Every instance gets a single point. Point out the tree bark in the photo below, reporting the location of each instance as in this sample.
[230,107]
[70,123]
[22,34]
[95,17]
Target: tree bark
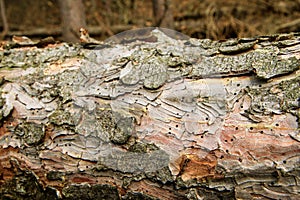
[152,118]
[73,18]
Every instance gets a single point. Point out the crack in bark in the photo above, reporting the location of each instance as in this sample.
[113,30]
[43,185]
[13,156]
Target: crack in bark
[222,109]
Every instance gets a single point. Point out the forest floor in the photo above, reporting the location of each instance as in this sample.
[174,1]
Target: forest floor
[214,19]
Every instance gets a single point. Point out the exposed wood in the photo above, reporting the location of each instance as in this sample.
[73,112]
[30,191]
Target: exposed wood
[152,117]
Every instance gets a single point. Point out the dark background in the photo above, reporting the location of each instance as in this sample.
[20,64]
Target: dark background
[214,19]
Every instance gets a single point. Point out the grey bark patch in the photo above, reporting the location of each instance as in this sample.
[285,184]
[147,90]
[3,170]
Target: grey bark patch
[134,162]
[271,66]
[155,74]
[31,133]
[60,117]
[275,99]
[130,75]
[236,47]
[90,192]
[124,129]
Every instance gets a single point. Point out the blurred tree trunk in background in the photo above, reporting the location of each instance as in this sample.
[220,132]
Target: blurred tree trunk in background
[163,14]
[73,18]
[4,19]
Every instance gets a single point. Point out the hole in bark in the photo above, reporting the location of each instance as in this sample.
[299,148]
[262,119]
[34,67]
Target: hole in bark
[201,136]
[222,157]
[176,125]
[236,128]
[261,132]
[251,128]
[238,85]
[192,147]
[259,85]
[242,106]
[272,183]
[206,118]
[237,101]
[234,93]
[276,124]
[225,140]
[240,160]
[169,132]
[284,162]
[170,128]
[231,140]
[227,151]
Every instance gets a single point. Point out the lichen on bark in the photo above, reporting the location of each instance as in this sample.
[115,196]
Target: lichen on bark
[162,118]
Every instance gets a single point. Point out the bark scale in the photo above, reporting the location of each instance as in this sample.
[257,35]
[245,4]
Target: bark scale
[155,117]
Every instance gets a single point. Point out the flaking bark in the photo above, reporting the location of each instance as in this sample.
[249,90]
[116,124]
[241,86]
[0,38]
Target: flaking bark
[155,117]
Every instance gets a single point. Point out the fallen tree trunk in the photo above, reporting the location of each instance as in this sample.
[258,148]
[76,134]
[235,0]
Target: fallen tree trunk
[151,117]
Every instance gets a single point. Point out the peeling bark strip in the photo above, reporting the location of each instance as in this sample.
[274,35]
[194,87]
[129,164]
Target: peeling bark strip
[156,117]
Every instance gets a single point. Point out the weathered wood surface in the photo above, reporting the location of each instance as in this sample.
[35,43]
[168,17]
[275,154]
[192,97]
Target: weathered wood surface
[153,117]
